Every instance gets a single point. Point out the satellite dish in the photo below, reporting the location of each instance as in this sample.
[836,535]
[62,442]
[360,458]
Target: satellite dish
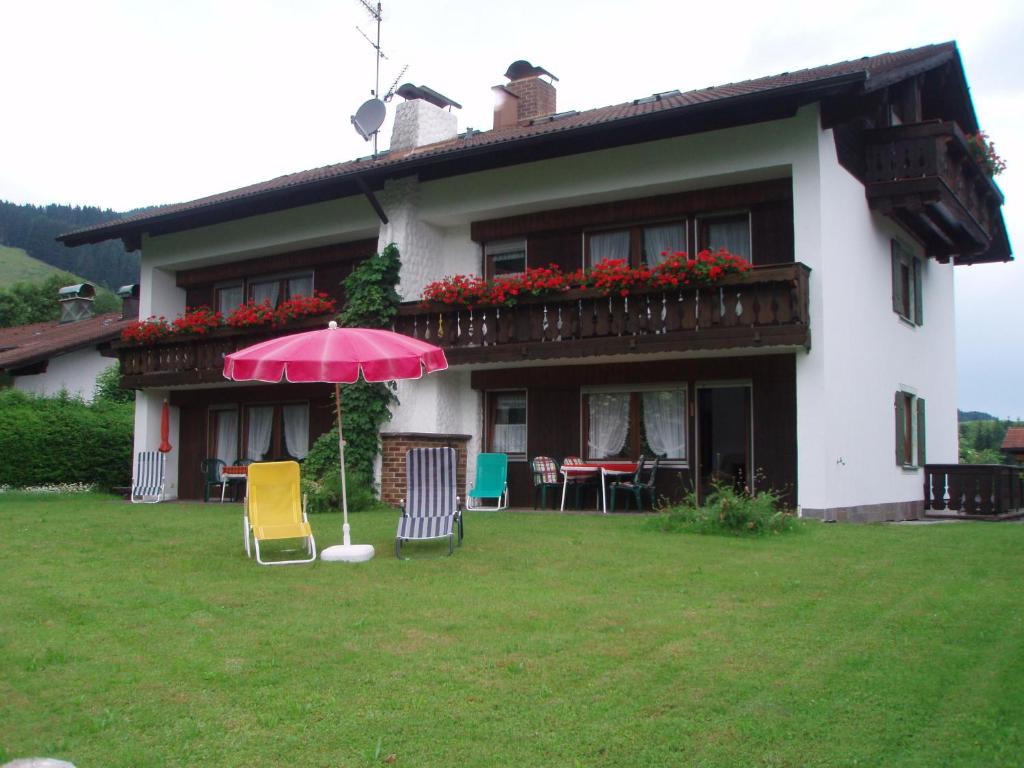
[369,118]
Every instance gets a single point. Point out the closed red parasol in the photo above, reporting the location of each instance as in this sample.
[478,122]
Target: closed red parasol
[165,428]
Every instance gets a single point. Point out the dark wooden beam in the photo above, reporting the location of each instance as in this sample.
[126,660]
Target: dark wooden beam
[368,193]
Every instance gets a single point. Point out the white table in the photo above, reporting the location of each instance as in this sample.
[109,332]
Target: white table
[579,470]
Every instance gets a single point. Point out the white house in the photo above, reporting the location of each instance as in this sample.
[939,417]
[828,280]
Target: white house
[850,187]
[63,355]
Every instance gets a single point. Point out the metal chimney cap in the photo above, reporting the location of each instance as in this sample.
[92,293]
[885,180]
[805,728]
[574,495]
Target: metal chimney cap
[129,291]
[517,70]
[79,291]
[410,92]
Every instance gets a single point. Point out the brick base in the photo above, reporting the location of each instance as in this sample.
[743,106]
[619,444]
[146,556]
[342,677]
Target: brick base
[394,446]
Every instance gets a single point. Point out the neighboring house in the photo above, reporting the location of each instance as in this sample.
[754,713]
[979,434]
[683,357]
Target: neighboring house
[1013,444]
[66,354]
[850,187]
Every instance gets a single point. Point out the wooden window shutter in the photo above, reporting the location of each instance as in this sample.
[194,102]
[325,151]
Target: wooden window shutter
[920,433]
[918,302]
[897,279]
[898,407]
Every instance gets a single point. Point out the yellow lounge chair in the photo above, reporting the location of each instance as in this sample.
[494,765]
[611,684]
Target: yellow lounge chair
[272,509]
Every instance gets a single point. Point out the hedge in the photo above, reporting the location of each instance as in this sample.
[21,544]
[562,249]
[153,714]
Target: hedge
[49,440]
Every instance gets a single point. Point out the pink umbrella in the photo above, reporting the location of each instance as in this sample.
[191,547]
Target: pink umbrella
[337,356]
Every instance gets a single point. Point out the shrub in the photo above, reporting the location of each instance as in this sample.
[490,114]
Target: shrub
[55,440]
[321,480]
[728,512]
[108,386]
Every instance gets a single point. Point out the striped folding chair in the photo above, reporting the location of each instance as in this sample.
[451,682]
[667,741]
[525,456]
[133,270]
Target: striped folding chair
[150,477]
[430,509]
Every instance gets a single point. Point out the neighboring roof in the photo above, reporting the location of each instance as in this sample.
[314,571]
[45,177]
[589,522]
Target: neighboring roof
[27,344]
[804,86]
[1014,440]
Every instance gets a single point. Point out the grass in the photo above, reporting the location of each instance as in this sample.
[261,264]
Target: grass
[138,636]
[16,266]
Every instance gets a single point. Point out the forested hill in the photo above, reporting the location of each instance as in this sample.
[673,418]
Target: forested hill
[35,228]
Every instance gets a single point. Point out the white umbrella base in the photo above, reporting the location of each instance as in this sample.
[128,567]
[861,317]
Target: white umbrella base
[347,553]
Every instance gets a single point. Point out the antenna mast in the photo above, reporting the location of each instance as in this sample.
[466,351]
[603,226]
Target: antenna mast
[375,14]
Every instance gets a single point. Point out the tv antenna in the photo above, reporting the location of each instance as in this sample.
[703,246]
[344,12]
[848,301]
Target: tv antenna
[370,116]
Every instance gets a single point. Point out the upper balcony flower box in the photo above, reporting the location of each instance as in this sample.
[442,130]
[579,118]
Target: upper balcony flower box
[765,307]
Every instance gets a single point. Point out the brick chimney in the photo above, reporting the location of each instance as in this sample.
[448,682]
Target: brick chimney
[76,302]
[526,96]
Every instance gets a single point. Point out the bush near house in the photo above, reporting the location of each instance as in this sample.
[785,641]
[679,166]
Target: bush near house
[61,439]
[730,512]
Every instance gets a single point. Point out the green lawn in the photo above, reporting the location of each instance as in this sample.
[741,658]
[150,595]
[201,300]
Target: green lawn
[140,636]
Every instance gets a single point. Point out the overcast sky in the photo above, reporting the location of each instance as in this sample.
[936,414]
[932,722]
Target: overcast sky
[133,103]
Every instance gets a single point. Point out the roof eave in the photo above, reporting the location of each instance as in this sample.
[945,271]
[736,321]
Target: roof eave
[346,184]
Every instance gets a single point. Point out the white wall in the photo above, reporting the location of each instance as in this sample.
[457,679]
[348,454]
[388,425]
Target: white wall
[75,372]
[863,352]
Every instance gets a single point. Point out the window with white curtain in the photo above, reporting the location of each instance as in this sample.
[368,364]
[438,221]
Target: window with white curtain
[731,232]
[261,432]
[229,297]
[641,244]
[279,288]
[507,423]
[625,423]
[608,245]
[296,429]
[225,434]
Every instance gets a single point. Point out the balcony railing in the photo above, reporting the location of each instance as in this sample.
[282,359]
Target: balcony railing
[990,491]
[762,308]
[195,359]
[924,176]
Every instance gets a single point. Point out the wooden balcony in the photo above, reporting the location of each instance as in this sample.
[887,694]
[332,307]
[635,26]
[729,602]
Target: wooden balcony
[197,359]
[977,491]
[766,307]
[924,177]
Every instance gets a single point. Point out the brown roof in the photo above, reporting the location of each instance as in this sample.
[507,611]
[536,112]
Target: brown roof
[868,73]
[27,344]
[1014,440]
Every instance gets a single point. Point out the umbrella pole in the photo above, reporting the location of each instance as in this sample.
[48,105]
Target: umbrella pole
[345,537]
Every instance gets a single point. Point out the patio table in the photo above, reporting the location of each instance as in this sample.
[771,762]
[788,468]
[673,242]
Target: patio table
[605,468]
[235,473]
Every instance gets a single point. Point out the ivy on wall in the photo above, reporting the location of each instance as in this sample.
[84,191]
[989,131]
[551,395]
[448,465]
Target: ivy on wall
[371,302]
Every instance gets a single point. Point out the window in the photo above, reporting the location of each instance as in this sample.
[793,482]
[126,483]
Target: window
[906,284]
[224,434]
[278,289]
[228,297]
[627,423]
[505,258]
[276,432]
[910,430]
[636,245]
[506,423]
[731,232]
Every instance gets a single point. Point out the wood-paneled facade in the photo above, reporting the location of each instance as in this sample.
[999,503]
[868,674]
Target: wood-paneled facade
[555,412]
[195,440]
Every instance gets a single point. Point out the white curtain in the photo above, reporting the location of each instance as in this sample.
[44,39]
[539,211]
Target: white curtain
[609,245]
[731,234]
[227,436]
[509,424]
[665,422]
[300,286]
[296,430]
[265,292]
[228,299]
[261,426]
[609,423]
[670,238]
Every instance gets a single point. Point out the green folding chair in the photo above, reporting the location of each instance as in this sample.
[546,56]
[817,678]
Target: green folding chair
[491,483]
